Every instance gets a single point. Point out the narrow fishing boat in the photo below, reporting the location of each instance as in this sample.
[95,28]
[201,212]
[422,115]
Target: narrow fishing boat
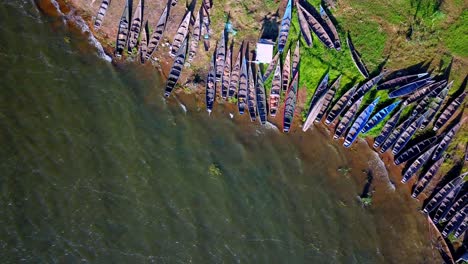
[408,133]
[359,124]
[176,69]
[329,23]
[226,74]
[328,98]
[420,107]
[271,66]
[462,228]
[426,179]
[205,27]
[417,164]
[284,28]
[251,96]
[379,116]
[261,98]
[305,31]
[400,81]
[181,33]
[296,59]
[195,36]
[135,27]
[290,104]
[415,150]
[157,34]
[446,203]
[387,129]
[122,34]
[443,145]
[101,13]
[286,71]
[449,111]
[390,141]
[243,86]
[410,88]
[275,91]
[357,58]
[235,73]
[318,29]
[210,84]
[455,222]
[442,193]
[339,106]
[366,87]
[428,90]
[143,43]
[221,57]
[347,119]
[316,103]
[434,106]
[459,204]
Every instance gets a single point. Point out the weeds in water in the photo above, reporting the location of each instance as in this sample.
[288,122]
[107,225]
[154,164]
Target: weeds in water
[213,170]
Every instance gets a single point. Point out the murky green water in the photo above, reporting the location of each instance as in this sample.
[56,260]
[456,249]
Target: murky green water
[96,167]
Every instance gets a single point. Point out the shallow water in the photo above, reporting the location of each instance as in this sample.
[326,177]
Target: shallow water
[98,167]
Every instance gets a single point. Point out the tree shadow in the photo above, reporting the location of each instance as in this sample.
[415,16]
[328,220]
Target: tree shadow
[413,69]
[270,26]
[366,189]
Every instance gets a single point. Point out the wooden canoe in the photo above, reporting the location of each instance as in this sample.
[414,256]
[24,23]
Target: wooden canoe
[387,129]
[357,58]
[430,90]
[395,134]
[305,30]
[261,98]
[455,222]
[449,111]
[339,106]
[404,138]
[181,33]
[135,27]
[435,106]
[226,74]
[101,13]
[243,86]
[427,177]
[286,71]
[296,59]
[347,119]
[284,28]
[445,204]
[235,73]
[415,150]
[122,34]
[195,36]
[417,164]
[366,87]
[290,104]
[157,34]
[459,203]
[328,98]
[333,33]
[143,43]
[400,81]
[318,29]
[205,27]
[359,124]
[316,103]
[275,91]
[443,145]
[271,67]
[410,88]
[379,116]
[210,84]
[176,69]
[442,193]
[220,57]
[251,96]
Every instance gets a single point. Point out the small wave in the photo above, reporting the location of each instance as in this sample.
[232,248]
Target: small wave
[184,108]
[379,169]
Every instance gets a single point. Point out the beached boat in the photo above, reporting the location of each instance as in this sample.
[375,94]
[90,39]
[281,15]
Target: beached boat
[420,107]
[316,27]
[333,33]
[195,36]
[456,221]
[461,228]
[415,150]
[305,31]
[101,13]
[435,106]
[417,164]
[456,206]
[400,81]
[235,73]
[359,124]
[357,57]
[261,98]
[445,204]
[387,129]
[410,88]
[442,193]
[296,59]
[135,27]
[379,116]
[220,57]
[430,90]
[243,86]
[443,145]
[275,91]
[143,48]
[290,103]
[408,133]
[205,26]
[466,153]
[286,71]
[366,87]
[347,119]
[449,111]
[339,106]
[181,33]
[427,177]
[157,34]
[226,74]
[251,96]
[284,28]
[316,102]
[271,67]
[122,33]
[210,84]
[390,141]
[176,69]
[328,98]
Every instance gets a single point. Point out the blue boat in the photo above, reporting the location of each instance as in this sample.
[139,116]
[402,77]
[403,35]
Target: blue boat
[387,129]
[359,124]
[284,29]
[408,133]
[409,88]
[379,116]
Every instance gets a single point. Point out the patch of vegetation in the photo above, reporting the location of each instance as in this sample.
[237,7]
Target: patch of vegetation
[456,36]
[213,170]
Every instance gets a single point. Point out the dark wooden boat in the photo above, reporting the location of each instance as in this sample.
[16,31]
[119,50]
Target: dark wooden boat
[317,28]
[143,42]
[284,28]
[455,222]
[357,58]
[290,103]
[347,119]
[366,87]
[220,57]
[275,91]
[408,133]
[176,69]
[235,73]
[415,150]
[417,164]
[387,129]
[101,13]
[122,33]
[466,153]
[420,107]
[210,85]
[359,124]
[135,27]
[379,116]
[181,33]
[261,98]
[456,206]
[449,111]
[410,88]
[243,86]
[443,145]
[434,106]
[157,34]
[329,23]
[316,103]
[305,31]
[251,96]
[445,204]
[442,193]
[390,141]
[195,36]
[426,179]
[205,27]
[271,67]
[328,98]
[428,90]
[226,74]
[462,228]
[286,71]
[296,59]
[339,106]
[400,81]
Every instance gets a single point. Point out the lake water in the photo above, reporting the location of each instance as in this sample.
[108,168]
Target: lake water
[96,167]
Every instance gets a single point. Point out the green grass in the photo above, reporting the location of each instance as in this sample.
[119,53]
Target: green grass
[456,36]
